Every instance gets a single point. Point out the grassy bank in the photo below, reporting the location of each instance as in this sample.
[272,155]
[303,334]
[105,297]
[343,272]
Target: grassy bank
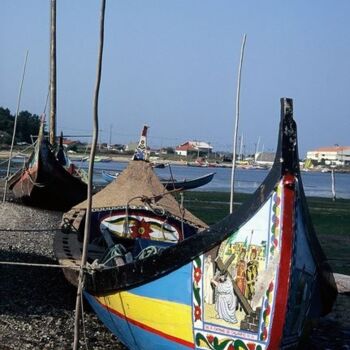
[330,219]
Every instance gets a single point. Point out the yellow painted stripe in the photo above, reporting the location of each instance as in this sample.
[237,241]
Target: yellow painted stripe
[165,317]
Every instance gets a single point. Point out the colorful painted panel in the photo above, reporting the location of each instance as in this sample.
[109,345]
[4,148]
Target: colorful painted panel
[155,315]
[234,285]
[140,226]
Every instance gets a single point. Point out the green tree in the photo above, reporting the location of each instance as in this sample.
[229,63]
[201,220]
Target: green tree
[6,120]
[27,124]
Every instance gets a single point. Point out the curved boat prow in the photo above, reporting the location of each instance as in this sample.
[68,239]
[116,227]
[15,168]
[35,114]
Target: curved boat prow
[250,281]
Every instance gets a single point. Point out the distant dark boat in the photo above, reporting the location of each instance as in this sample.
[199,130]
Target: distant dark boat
[187,184]
[47,180]
[158,165]
[251,281]
[171,184]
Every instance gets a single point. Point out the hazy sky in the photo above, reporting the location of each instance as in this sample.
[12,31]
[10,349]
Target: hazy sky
[173,65]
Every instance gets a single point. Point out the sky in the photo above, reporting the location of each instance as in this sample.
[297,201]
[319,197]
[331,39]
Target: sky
[174,64]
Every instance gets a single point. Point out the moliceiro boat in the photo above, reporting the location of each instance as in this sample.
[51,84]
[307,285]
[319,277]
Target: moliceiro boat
[159,279]
[48,180]
[171,184]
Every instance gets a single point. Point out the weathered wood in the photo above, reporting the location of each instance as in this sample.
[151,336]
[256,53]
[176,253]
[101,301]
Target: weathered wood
[342,282]
[90,178]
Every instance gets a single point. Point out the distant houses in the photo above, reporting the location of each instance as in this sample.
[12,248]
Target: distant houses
[198,147]
[335,156]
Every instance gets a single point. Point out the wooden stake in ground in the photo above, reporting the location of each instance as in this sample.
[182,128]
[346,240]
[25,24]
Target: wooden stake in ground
[90,178]
[333,185]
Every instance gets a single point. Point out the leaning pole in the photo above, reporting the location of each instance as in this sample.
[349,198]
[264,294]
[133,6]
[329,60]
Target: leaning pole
[236,122]
[15,126]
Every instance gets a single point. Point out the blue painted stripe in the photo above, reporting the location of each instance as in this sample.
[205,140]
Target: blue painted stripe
[175,287]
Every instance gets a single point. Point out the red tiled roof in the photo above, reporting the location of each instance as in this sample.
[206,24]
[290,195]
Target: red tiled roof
[184,148]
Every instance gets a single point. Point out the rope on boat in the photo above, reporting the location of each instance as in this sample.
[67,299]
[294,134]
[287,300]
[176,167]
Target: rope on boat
[37,184]
[39,265]
[29,231]
[19,153]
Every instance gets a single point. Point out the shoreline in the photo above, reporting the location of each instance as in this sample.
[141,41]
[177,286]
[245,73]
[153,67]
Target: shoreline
[126,159]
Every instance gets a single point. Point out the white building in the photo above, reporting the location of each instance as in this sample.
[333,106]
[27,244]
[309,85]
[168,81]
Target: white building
[336,155]
[193,146]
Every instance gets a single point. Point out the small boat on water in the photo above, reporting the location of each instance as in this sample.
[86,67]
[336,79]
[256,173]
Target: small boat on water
[101,159]
[159,279]
[170,184]
[48,180]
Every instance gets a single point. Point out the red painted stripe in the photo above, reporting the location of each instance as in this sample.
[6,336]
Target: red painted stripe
[148,328]
[284,272]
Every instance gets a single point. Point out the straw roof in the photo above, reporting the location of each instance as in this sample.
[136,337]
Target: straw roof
[138,180]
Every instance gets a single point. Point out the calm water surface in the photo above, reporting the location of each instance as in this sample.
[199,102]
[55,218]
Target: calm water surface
[315,183]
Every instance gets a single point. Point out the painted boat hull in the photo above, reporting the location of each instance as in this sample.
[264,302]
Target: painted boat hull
[173,185]
[48,184]
[185,319]
[251,281]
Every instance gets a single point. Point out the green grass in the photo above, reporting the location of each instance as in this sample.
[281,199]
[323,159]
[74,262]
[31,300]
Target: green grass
[330,219]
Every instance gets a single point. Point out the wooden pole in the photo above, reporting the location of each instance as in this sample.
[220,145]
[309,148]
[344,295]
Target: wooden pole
[236,122]
[334,196]
[90,178]
[53,97]
[240,148]
[15,126]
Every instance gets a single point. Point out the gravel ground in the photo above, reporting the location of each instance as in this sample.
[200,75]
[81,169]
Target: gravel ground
[37,303]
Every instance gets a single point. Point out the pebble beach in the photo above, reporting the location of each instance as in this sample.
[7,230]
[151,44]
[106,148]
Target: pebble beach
[37,303]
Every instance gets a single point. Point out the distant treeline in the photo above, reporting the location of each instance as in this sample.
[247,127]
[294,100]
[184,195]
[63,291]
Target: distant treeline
[27,124]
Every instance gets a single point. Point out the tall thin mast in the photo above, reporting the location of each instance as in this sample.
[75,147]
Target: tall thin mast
[236,122]
[53,98]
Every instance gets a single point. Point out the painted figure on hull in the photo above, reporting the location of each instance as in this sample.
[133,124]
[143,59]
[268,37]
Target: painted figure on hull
[251,274]
[225,299]
[209,274]
[241,272]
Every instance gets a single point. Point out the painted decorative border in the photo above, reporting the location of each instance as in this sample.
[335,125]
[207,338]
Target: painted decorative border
[274,241]
[214,342]
[205,339]
[196,287]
